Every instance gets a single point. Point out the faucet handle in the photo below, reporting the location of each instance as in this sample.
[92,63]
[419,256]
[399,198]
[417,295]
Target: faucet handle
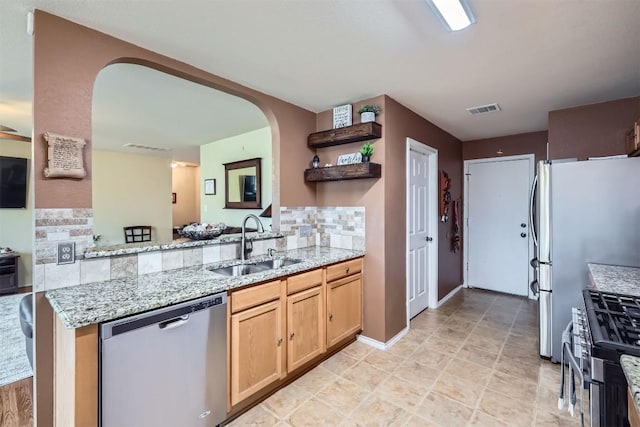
[271,252]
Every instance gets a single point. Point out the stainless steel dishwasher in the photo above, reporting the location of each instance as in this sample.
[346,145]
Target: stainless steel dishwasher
[166,367]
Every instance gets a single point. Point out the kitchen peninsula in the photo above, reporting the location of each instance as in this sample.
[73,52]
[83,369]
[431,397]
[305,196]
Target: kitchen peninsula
[329,280]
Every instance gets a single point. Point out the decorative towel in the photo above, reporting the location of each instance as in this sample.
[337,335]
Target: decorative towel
[455,238]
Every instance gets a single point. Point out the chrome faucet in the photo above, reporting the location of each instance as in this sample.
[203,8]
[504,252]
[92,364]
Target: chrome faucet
[245,249]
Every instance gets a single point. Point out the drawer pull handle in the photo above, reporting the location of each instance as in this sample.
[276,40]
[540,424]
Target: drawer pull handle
[330,317]
[279,342]
[291,335]
[347,269]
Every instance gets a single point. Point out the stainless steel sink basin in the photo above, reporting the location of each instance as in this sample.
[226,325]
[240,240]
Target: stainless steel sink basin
[244,269]
[270,264]
[237,270]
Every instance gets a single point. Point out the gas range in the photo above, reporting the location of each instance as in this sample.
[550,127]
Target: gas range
[609,327]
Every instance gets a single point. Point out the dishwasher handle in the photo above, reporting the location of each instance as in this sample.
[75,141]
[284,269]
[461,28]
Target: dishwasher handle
[176,322]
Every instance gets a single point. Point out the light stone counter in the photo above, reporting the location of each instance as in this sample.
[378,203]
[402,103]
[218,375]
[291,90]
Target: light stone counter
[92,303]
[615,279]
[631,367]
[136,248]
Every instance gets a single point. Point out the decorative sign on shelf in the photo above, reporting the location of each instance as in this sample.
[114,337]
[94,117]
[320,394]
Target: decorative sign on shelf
[342,116]
[64,157]
[348,159]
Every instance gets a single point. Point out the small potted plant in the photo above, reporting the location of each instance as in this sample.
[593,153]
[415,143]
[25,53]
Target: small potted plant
[368,113]
[367,152]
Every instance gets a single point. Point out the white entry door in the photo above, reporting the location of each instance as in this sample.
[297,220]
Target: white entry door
[418,232]
[497,232]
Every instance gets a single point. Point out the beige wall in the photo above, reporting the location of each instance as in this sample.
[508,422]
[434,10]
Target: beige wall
[130,189]
[592,130]
[67,60]
[248,145]
[511,145]
[16,225]
[186,184]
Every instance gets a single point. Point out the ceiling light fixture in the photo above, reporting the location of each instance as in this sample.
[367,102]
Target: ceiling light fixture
[454,14]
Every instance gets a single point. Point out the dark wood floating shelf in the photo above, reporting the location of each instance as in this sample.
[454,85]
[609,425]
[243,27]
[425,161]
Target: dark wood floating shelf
[344,172]
[345,135]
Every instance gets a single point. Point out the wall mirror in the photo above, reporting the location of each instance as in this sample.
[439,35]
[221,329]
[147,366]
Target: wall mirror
[243,184]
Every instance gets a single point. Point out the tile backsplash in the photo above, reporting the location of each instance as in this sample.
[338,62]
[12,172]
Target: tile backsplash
[337,227]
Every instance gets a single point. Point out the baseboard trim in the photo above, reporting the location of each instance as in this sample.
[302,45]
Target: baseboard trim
[449,295]
[383,345]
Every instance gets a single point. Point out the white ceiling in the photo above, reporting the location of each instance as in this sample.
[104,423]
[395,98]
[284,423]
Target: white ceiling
[530,56]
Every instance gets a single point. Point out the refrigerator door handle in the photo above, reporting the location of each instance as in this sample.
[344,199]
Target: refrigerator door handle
[531,207]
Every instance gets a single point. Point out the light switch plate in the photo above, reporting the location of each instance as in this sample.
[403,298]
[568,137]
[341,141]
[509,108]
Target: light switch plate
[66,253]
[305,230]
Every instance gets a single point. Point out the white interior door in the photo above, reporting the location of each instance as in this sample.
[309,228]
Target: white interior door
[418,232]
[497,232]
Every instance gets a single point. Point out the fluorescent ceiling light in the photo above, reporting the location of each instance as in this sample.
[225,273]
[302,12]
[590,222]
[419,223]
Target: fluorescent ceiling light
[454,14]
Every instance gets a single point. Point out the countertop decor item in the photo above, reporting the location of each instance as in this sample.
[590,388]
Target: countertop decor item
[316,162]
[368,113]
[366,151]
[202,231]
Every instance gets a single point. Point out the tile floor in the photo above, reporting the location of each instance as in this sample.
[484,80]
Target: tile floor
[472,362]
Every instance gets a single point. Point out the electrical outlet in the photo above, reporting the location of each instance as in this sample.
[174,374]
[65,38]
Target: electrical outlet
[305,230]
[66,253]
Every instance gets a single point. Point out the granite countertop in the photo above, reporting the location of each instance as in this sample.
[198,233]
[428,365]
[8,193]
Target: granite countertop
[134,248]
[631,367]
[614,278]
[83,305]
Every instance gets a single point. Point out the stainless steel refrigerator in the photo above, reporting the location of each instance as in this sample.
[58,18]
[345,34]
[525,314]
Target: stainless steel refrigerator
[586,211]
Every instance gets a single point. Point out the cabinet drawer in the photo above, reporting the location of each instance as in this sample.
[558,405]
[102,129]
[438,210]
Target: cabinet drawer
[303,281]
[343,269]
[251,297]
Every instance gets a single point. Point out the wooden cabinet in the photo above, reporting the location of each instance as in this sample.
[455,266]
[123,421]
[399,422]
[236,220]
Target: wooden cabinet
[281,326]
[305,327]
[344,301]
[9,273]
[257,336]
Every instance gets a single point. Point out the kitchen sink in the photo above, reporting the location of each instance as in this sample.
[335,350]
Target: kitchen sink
[244,269]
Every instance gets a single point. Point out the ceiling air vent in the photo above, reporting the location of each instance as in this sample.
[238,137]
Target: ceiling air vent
[489,108]
[146,147]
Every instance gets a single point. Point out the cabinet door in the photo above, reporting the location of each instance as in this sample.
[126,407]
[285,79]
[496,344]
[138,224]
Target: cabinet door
[305,327]
[344,308]
[256,349]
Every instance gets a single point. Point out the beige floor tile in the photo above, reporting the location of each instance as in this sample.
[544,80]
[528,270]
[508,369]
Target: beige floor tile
[474,354]
[469,371]
[460,324]
[442,345]
[357,350]
[315,413]
[480,419]
[383,360]
[404,348]
[487,332]
[417,336]
[459,389]
[511,386]
[443,411]
[518,353]
[528,343]
[338,363]
[416,421]
[549,376]
[551,419]
[469,316]
[547,401]
[431,358]
[365,375]
[506,409]
[517,368]
[283,424]
[417,373]
[315,379]
[378,412]
[285,400]
[401,392]
[343,395]
[447,332]
[490,345]
[256,416]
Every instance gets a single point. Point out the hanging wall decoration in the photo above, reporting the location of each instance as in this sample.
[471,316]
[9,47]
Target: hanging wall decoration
[64,155]
[445,196]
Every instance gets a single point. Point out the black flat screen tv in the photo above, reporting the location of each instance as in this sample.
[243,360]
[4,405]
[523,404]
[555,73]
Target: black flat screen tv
[13,182]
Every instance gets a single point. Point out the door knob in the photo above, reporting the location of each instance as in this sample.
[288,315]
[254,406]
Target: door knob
[523,235]
[523,225]
[429,239]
